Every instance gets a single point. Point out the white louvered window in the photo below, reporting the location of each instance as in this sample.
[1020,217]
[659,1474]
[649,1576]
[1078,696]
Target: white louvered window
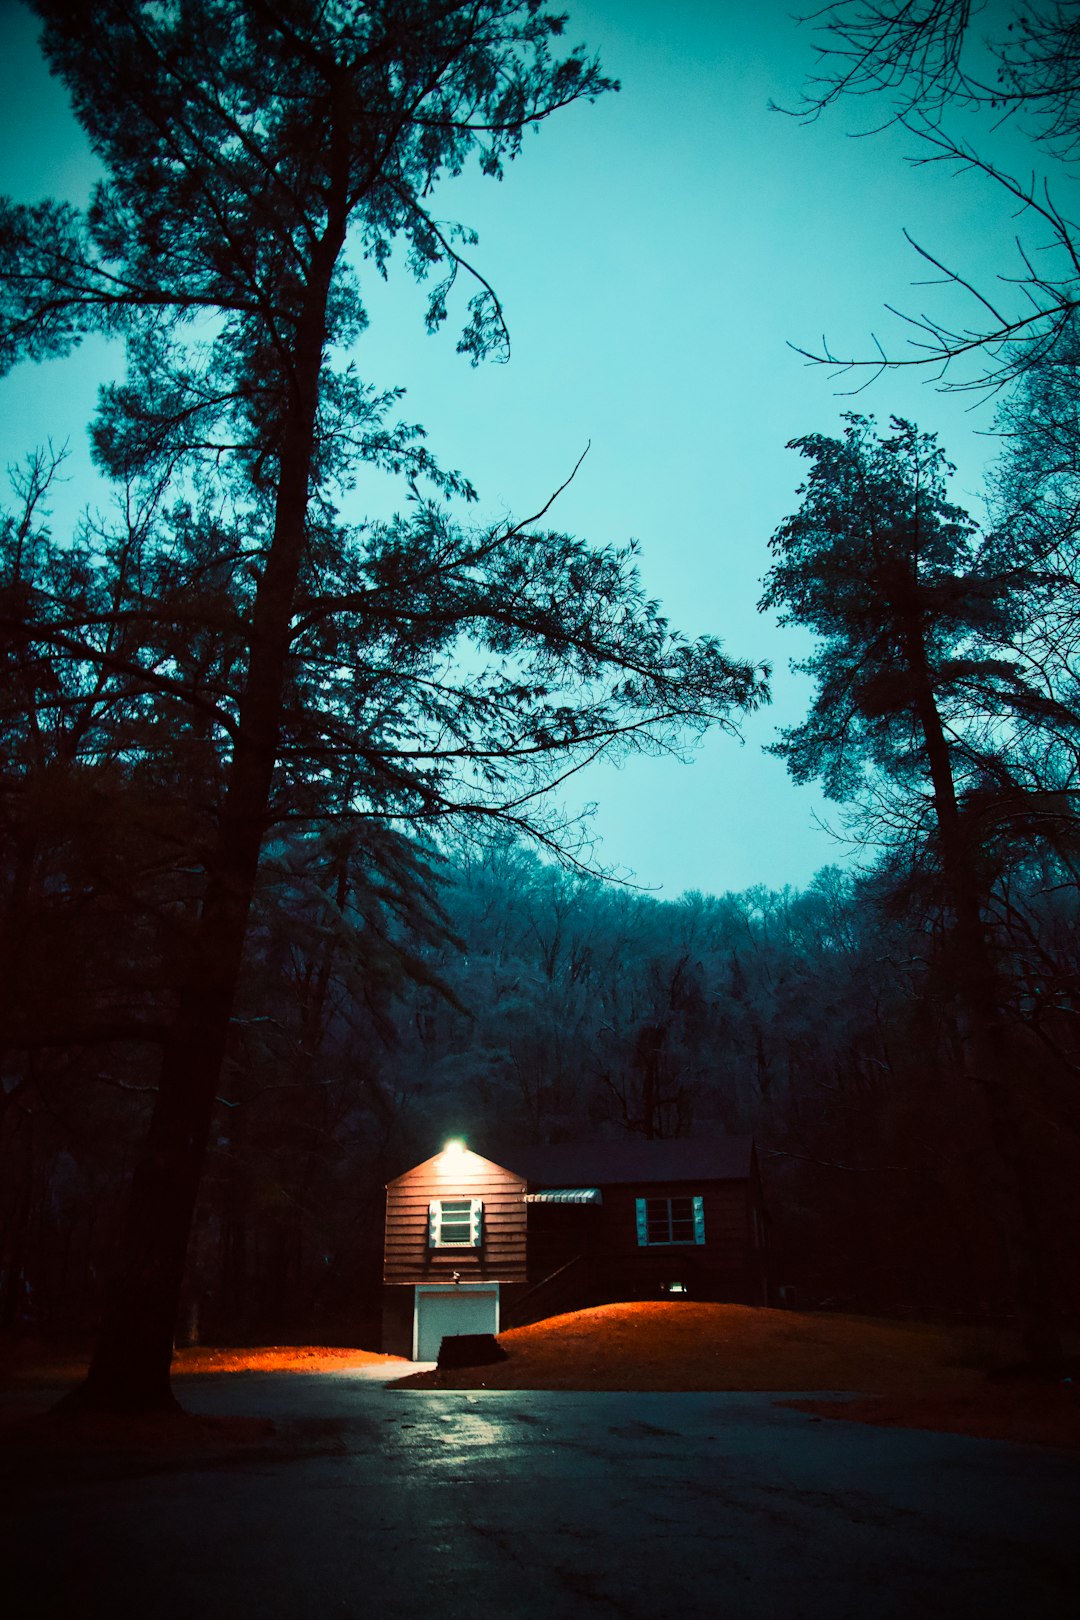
[670,1220]
[455,1223]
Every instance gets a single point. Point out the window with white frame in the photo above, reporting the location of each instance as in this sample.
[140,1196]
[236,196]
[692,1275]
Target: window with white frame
[670,1221]
[455,1223]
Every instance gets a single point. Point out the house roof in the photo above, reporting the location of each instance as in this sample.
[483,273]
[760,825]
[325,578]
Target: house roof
[636,1160]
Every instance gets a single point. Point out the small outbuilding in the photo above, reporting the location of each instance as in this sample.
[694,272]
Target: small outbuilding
[473,1246]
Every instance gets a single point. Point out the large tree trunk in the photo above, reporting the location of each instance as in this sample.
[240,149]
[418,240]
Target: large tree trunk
[131,1362]
[986,1042]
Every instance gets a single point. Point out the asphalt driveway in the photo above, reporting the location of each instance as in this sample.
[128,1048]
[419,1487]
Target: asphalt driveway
[410,1504]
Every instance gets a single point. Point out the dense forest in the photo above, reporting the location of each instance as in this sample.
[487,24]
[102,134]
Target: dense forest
[558,1007]
[286,894]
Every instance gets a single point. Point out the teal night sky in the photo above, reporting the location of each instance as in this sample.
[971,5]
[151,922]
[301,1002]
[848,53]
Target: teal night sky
[655,254]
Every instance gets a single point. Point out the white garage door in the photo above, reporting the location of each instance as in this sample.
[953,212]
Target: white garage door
[453,1310]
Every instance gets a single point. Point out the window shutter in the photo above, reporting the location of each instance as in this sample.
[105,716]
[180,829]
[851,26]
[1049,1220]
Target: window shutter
[699,1220]
[642,1223]
[434,1211]
[476,1221]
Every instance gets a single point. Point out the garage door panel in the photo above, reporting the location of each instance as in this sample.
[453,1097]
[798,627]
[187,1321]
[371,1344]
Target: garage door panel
[438,1315]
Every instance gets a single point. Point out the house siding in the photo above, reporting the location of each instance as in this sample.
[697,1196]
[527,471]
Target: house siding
[725,1221]
[715,1269]
[548,1258]
[501,1255]
[605,1262]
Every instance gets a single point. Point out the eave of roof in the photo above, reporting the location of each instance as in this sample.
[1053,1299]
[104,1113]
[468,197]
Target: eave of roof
[635,1161]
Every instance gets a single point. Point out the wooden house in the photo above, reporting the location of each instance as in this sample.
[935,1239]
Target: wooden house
[455,1237]
[473,1246]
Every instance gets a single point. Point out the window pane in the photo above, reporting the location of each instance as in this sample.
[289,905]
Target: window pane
[682,1220]
[670,1220]
[656,1219]
[455,1221]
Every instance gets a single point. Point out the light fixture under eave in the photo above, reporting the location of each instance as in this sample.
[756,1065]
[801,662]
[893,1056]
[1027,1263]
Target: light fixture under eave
[454,1153]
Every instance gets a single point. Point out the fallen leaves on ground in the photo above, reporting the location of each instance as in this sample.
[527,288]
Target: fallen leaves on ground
[683,1345]
[904,1374]
[276,1358]
[29,1362]
[1032,1415]
[917,1375]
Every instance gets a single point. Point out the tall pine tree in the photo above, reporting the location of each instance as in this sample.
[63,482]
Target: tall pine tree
[886,572]
[255,152]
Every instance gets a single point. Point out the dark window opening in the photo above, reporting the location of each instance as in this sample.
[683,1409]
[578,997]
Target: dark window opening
[670,1220]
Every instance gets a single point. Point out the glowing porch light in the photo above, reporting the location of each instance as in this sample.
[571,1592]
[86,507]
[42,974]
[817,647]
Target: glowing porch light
[454,1154]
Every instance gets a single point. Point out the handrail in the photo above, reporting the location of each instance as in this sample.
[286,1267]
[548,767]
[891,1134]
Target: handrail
[519,1304]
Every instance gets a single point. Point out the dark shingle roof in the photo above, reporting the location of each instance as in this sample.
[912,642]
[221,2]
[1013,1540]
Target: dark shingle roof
[637,1160]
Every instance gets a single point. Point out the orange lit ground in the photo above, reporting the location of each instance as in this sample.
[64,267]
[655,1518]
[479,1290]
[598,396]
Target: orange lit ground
[906,1374]
[916,1375]
[28,1362]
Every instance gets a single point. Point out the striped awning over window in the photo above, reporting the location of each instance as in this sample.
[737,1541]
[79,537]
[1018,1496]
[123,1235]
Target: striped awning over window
[566,1195]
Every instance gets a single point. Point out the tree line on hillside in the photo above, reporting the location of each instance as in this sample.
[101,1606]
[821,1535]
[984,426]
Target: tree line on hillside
[558,1007]
[274,777]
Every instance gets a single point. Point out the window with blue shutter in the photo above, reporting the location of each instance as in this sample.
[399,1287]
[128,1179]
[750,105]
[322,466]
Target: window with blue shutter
[455,1223]
[670,1220]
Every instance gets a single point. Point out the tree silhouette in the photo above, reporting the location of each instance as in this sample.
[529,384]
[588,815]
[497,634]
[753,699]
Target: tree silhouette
[927,67]
[885,571]
[254,152]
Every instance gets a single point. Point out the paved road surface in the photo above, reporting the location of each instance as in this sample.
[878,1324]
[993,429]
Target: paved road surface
[405,1505]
